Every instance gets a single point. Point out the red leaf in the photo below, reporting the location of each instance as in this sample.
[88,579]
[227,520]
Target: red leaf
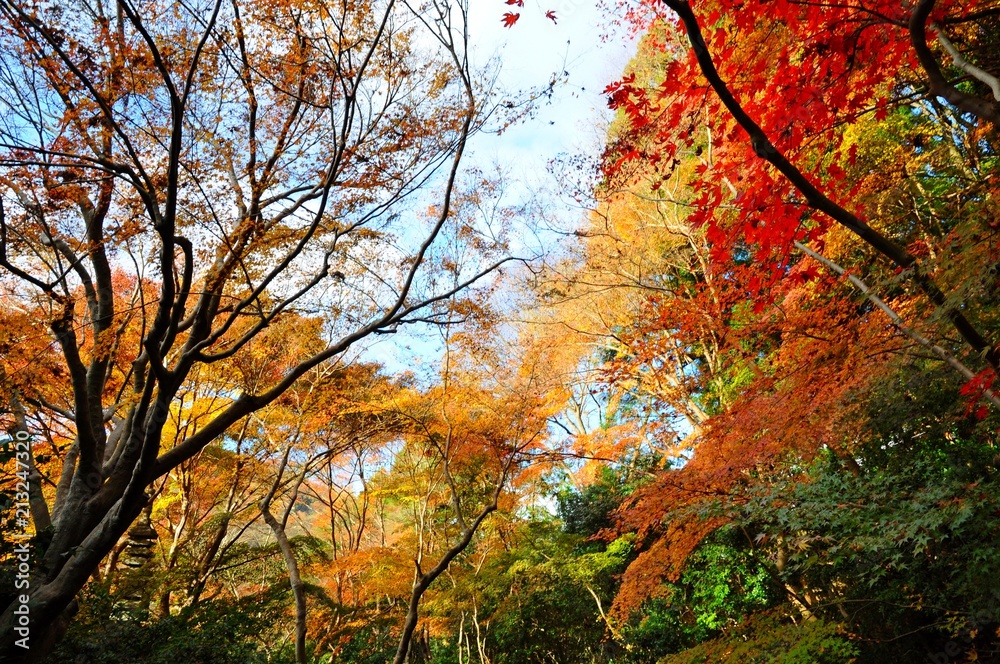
[519,3]
[551,15]
[509,19]
[979,383]
[882,111]
[852,155]
[975,389]
[835,171]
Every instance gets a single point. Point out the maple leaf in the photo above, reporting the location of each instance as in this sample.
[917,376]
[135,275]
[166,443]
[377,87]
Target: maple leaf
[551,15]
[519,3]
[509,19]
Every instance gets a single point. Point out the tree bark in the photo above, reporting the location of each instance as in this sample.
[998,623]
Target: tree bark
[288,553]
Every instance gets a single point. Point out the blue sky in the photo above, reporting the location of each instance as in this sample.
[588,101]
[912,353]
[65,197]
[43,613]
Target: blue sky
[573,120]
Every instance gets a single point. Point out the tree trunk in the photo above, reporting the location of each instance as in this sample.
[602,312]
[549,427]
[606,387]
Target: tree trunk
[424,580]
[295,580]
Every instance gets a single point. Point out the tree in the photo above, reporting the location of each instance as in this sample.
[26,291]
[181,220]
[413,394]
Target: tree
[808,323]
[318,422]
[241,163]
[810,356]
[840,84]
[470,441]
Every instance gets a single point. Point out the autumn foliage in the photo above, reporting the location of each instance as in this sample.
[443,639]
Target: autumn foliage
[291,400]
[809,110]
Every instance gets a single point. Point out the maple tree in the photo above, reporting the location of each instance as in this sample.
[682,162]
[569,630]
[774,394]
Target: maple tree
[241,164]
[776,292]
[745,411]
[797,350]
[474,438]
[840,84]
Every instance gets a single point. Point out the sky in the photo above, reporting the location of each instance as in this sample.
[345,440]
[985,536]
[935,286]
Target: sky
[573,120]
[575,117]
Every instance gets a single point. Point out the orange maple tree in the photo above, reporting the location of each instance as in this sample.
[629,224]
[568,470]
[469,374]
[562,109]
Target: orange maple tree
[242,164]
[803,82]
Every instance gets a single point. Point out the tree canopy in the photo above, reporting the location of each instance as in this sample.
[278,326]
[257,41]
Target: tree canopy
[742,409]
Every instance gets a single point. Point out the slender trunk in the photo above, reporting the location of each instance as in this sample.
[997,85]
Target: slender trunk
[294,578]
[480,643]
[424,580]
[298,588]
